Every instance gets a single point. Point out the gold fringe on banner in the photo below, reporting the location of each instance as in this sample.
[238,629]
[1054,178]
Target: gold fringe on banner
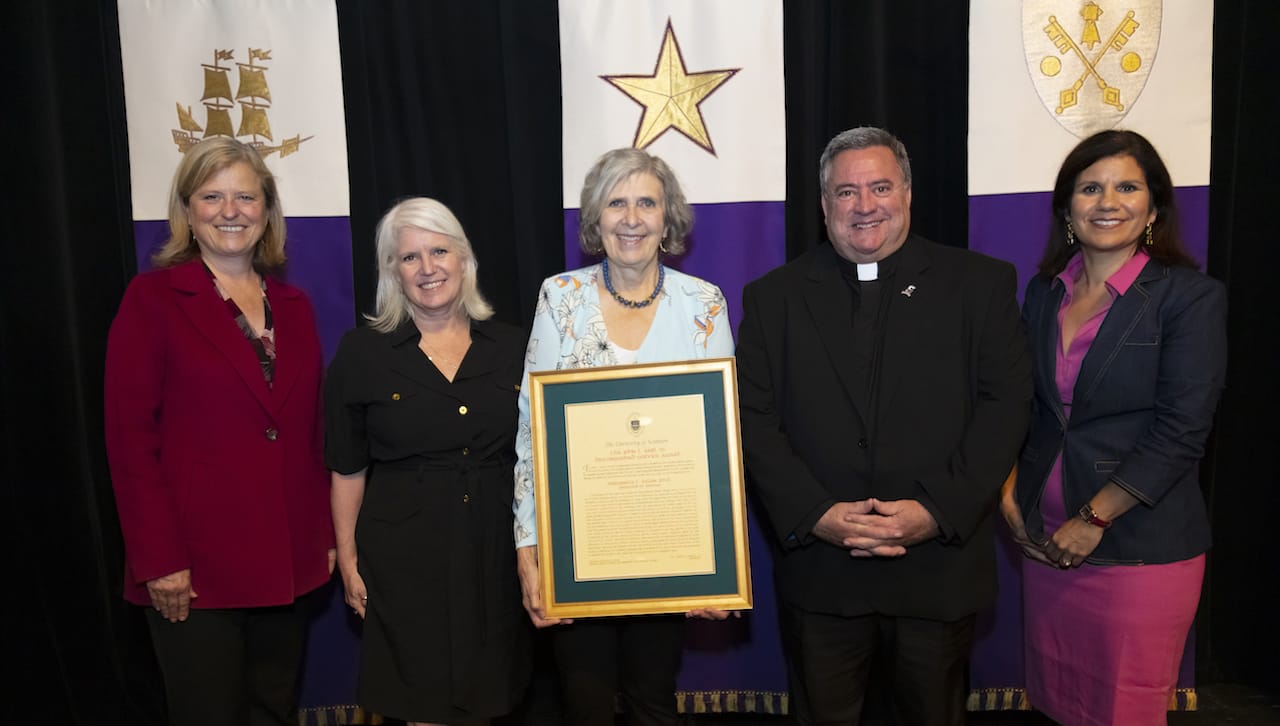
[1184,699]
[997,699]
[732,702]
[350,715]
[1015,699]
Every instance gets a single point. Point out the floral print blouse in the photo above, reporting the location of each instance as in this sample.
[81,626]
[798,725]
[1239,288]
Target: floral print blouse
[691,322]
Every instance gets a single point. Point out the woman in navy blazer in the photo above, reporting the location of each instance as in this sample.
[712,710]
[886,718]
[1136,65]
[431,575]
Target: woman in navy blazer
[1129,348]
[214,438]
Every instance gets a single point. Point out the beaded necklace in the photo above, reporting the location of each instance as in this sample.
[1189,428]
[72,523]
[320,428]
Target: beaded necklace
[608,285]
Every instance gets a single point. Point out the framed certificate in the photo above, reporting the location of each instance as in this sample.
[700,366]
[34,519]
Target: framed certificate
[639,492]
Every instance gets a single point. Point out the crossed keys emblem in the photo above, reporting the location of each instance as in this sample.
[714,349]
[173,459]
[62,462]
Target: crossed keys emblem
[1062,40]
[1116,59]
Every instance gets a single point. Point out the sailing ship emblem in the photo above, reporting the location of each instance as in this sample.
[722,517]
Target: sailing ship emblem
[253,97]
[1090,60]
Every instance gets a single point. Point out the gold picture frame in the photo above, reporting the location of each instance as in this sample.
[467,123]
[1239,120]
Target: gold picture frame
[638,484]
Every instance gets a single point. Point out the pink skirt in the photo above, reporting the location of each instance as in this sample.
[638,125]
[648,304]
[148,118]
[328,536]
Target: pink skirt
[1103,644]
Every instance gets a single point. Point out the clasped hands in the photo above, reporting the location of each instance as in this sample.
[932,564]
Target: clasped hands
[1068,547]
[876,528]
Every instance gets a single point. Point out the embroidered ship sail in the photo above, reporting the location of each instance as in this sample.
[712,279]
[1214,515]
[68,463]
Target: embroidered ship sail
[253,82]
[185,120]
[253,96]
[217,97]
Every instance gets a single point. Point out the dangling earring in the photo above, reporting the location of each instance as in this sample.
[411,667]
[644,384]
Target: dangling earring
[1071,235]
[662,247]
[1148,234]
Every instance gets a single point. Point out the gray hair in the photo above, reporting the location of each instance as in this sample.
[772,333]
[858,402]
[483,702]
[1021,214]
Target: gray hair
[615,166]
[862,137]
[391,305]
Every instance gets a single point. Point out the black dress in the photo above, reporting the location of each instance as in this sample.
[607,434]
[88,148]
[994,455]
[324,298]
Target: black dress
[445,636]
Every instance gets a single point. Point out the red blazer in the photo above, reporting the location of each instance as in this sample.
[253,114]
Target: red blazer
[213,470]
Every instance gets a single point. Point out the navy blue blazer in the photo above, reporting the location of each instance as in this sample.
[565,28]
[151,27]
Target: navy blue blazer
[1142,408]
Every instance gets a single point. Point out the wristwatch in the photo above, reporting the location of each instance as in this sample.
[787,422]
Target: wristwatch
[1087,514]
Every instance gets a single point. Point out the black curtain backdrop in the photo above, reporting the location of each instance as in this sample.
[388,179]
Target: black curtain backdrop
[1238,642]
[75,653]
[460,101]
[900,65]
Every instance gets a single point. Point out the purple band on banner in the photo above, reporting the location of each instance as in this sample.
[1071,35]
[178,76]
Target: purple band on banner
[332,661]
[319,252]
[740,655]
[731,245]
[1013,227]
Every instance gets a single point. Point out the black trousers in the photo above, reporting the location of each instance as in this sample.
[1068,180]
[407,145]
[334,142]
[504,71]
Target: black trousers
[231,667]
[922,664]
[637,656]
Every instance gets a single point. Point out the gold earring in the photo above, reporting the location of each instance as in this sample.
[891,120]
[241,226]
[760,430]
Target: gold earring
[1148,234]
[1071,235]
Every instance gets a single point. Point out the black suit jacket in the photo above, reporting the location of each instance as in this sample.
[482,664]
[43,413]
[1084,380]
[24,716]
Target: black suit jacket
[954,394]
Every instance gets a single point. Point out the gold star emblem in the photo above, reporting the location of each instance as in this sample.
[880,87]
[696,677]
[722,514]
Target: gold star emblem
[671,97]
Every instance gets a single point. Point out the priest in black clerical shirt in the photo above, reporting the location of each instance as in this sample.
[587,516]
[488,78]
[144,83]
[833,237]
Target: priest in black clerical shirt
[884,386]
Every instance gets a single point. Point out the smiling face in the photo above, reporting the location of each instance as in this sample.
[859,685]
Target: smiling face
[228,213]
[867,204]
[633,221]
[1111,204]
[431,271]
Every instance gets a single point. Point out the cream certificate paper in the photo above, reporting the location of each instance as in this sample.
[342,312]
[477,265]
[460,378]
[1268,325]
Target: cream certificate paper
[639,489]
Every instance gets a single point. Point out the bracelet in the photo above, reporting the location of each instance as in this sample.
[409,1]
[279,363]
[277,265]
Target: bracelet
[1087,514]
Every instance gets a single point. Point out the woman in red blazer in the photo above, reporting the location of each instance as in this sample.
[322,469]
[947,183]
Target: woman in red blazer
[215,440]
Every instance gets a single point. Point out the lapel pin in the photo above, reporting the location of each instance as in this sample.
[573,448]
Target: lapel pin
[908,290]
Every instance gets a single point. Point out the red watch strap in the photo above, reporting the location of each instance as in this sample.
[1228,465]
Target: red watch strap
[1087,514]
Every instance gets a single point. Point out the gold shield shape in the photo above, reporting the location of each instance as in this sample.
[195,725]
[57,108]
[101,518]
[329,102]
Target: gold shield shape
[1089,60]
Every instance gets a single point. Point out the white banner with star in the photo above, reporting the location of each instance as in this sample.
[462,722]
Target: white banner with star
[698,84]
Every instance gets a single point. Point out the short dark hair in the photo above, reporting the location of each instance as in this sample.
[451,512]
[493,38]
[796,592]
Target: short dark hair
[862,137]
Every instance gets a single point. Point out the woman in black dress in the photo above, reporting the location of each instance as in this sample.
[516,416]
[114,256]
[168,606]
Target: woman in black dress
[421,420]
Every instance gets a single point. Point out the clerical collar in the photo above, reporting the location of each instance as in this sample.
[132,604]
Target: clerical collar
[870,271]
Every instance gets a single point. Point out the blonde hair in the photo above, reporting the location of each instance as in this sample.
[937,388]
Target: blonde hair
[201,162]
[391,306]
